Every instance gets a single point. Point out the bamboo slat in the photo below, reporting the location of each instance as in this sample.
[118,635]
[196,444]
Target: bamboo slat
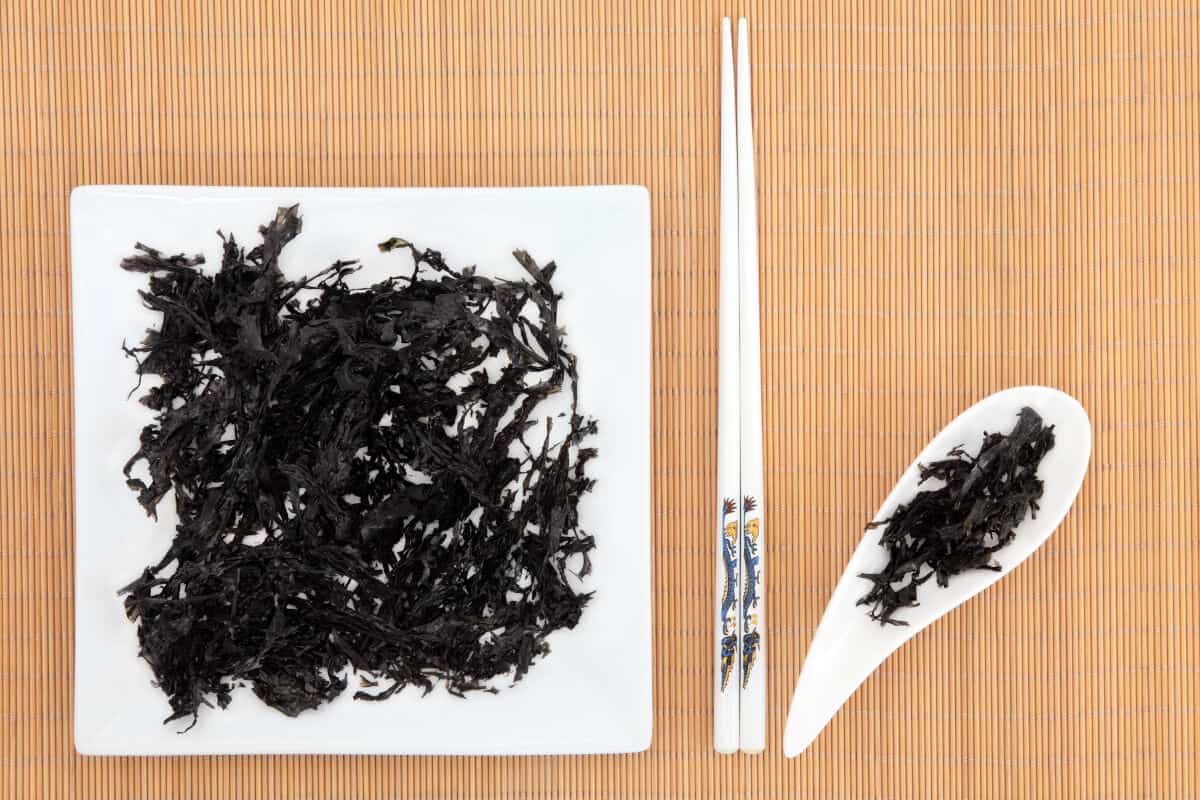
[953,198]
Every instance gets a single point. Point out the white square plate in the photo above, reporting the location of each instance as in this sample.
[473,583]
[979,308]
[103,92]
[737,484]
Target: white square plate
[592,693]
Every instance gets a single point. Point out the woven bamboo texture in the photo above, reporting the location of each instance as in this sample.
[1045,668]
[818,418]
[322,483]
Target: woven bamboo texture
[954,198]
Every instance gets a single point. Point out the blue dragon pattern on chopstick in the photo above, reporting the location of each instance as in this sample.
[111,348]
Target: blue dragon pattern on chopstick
[729,554]
[750,563]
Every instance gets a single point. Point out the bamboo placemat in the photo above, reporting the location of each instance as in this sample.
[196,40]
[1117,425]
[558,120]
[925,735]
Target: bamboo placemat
[953,199]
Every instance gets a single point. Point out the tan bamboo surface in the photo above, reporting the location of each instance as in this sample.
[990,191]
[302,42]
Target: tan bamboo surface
[954,198]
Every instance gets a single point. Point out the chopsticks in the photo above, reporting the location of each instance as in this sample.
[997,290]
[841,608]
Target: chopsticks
[727,671]
[754,666]
[741,663]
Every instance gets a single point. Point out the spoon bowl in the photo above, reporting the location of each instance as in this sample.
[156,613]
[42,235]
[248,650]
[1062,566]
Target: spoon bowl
[848,646]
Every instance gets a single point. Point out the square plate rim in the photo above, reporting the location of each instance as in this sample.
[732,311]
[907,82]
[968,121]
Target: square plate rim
[638,193]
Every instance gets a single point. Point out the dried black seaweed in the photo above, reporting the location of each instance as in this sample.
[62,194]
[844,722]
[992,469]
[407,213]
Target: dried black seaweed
[957,527]
[365,478]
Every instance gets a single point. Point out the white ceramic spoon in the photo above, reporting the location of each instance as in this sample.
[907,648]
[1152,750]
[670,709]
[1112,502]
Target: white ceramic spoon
[848,645]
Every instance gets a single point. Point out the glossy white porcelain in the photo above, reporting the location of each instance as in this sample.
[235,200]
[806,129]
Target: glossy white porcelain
[592,694]
[848,645]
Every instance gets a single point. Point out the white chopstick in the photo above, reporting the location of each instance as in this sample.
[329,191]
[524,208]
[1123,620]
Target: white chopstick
[727,664]
[753,705]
